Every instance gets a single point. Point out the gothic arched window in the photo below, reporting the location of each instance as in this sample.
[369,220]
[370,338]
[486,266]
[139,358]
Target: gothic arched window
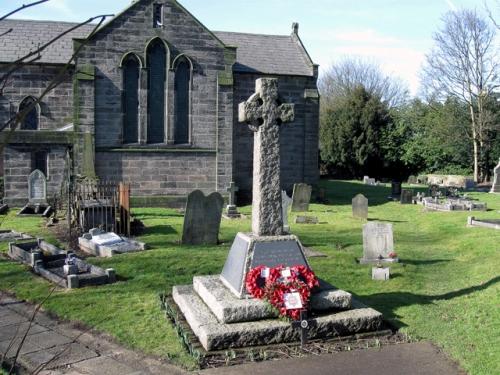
[182,100]
[31,119]
[131,68]
[157,63]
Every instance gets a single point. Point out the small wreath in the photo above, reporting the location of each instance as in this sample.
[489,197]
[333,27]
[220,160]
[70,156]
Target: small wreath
[255,283]
[280,282]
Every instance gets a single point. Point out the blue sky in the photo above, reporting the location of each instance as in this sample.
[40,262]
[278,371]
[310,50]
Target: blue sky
[394,33]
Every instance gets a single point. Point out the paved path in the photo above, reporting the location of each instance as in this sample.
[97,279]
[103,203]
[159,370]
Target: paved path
[58,348]
[404,359]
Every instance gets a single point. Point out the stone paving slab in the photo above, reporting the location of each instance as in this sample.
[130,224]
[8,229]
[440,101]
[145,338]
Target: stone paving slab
[105,365]
[57,357]
[18,330]
[77,352]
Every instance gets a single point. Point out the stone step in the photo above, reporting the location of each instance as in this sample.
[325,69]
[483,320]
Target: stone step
[230,309]
[219,336]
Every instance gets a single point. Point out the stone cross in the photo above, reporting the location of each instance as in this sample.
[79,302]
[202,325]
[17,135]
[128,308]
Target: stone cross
[264,113]
[232,189]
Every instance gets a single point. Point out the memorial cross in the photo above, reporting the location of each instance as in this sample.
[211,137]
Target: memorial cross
[304,324]
[264,113]
[232,189]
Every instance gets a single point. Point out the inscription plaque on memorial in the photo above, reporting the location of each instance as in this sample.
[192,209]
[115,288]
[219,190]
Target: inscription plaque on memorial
[273,254]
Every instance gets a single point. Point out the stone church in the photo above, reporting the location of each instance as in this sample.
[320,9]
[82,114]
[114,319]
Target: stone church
[151,99]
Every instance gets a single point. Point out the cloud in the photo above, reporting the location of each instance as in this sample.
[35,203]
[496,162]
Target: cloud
[396,56]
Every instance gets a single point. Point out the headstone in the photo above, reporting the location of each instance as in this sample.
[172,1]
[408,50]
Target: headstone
[202,219]
[495,188]
[360,207]
[286,202]
[37,187]
[369,181]
[406,196]
[380,273]
[378,243]
[301,197]
[306,220]
[232,209]
[395,189]
[412,180]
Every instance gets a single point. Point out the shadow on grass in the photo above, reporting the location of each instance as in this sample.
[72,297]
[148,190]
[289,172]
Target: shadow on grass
[389,302]
[424,262]
[387,221]
[159,230]
[343,191]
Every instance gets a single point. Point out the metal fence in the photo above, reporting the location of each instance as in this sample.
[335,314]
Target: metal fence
[100,204]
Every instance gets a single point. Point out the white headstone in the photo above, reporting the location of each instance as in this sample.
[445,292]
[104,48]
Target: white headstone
[286,202]
[495,188]
[37,187]
[378,242]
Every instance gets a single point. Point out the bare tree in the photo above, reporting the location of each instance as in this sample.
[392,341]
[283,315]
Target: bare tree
[464,64]
[351,72]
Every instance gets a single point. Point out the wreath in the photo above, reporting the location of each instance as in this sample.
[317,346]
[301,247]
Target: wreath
[282,283]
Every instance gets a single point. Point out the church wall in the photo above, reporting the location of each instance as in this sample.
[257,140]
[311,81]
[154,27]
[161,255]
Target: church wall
[18,165]
[160,174]
[56,108]
[299,140]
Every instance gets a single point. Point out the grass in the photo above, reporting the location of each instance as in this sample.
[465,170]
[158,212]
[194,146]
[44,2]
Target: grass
[446,290]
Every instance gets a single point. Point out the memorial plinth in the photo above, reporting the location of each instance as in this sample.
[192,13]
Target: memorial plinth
[249,251]
[218,308]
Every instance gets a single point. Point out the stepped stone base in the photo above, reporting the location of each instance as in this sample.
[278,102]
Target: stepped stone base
[214,335]
[227,308]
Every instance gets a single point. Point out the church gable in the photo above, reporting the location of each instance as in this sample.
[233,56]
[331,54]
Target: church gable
[146,55]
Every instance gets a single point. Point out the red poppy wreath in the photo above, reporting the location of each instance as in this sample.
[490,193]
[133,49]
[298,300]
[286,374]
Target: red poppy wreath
[288,290]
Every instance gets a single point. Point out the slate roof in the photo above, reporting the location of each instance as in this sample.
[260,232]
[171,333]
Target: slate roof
[27,35]
[271,54]
[268,54]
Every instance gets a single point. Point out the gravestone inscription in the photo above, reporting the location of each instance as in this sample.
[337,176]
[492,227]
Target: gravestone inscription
[378,243]
[360,207]
[202,219]
[37,187]
[301,197]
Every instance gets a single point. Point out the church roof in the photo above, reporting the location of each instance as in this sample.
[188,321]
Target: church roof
[270,54]
[256,53]
[27,36]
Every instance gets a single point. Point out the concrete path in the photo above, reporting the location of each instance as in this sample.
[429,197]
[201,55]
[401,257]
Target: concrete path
[57,348]
[404,359]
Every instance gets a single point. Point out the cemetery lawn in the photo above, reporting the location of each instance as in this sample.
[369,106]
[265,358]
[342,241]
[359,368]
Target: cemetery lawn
[447,289]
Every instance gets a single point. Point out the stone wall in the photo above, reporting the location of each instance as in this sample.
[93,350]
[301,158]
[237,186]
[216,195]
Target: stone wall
[18,165]
[159,173]
[56,108]
[181,168]
[299,140]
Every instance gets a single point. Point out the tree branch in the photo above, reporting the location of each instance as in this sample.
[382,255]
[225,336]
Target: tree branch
[23,7]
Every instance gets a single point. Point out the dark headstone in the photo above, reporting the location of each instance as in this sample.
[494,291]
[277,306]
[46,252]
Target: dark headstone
[301,197]
[202,218]
[395,188]
[360,207]
[406,196]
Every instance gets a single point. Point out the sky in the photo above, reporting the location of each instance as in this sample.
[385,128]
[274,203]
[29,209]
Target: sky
[396,34]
